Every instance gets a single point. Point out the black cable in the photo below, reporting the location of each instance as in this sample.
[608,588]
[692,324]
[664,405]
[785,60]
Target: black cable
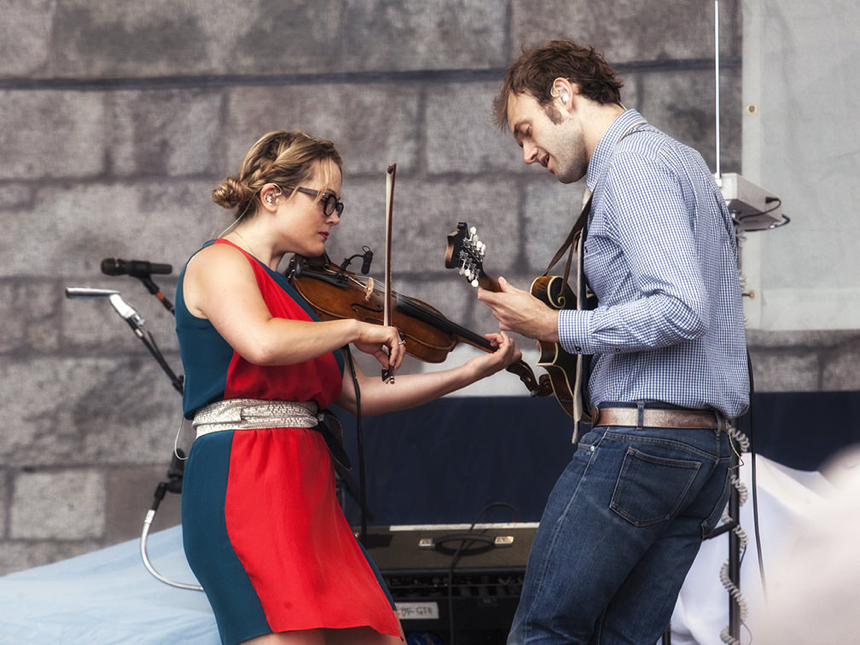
[785,218]
[362,491]
[760,213]
[754,478]
[467,538]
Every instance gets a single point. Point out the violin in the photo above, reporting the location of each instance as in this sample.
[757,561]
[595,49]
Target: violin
[335,293]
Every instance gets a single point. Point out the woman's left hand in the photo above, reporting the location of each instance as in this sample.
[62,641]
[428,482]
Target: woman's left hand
[506,353]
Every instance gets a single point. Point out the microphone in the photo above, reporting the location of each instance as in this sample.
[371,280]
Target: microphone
[134,268]
[86,292]
[366,259]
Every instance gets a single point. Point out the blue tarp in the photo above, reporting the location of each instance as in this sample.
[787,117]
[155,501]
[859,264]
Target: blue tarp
[108,597]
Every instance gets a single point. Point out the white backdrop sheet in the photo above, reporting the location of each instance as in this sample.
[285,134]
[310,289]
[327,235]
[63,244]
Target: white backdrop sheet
[785,497]
[800,96]
[108,597]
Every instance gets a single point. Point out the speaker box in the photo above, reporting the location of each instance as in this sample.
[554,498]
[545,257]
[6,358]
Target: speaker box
[454,578]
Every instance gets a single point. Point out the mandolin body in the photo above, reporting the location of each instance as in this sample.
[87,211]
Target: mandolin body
[561,366]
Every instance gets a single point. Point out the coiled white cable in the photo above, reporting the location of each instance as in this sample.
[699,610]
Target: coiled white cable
[743,443]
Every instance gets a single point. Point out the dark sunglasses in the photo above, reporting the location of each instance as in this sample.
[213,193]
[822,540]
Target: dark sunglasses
[329,201]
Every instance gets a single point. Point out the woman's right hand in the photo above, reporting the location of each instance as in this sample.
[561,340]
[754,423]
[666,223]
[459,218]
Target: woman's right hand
[373,339]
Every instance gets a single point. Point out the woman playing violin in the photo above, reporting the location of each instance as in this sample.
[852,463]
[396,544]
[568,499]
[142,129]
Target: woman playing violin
[262,527]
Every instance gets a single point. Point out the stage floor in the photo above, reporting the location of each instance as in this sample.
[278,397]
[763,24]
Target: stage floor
[108,596]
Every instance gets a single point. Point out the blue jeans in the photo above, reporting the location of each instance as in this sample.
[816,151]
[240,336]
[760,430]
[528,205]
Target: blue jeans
[620,530]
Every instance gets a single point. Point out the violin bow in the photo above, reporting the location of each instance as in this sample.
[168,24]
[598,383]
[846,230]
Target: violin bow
[388,374]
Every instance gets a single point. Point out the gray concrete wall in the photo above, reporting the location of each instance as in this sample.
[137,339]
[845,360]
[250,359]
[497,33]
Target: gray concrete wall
[118,119]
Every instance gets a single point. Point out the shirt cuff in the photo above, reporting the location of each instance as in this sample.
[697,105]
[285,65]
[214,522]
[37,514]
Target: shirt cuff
[573,331]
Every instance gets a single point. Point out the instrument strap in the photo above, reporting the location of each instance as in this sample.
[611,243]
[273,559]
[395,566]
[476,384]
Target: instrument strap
[582,219]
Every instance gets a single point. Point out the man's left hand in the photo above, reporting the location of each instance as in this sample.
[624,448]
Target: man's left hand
[519,311]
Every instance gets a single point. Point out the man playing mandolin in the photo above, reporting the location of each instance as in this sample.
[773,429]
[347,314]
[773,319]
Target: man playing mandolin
[668,361]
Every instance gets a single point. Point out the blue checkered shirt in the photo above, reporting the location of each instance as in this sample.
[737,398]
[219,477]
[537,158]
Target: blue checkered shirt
[661,257]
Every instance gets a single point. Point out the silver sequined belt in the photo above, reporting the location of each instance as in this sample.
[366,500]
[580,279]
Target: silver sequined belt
[253,414]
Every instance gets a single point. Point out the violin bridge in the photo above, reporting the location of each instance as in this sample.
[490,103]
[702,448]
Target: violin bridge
[368,290]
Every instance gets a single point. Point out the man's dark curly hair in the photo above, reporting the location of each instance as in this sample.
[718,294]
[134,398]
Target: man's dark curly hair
[536,69]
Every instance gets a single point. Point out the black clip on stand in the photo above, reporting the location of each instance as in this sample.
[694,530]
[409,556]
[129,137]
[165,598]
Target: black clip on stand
[155,291]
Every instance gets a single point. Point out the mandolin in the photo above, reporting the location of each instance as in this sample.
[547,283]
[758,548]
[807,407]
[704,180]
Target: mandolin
[466,253]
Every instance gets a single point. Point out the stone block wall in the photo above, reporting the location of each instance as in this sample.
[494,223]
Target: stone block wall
[118,119]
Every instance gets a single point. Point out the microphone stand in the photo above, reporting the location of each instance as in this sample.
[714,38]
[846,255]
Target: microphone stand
[177,465]
[731,525]
[174,473]
[136,323]
[134,320]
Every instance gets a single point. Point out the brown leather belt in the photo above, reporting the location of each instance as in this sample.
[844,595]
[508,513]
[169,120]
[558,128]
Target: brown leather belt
[654,418]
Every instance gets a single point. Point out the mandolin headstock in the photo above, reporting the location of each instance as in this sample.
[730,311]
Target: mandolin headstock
[466,254]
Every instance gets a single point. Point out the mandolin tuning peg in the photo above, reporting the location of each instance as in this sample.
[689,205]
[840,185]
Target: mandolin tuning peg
[472,231]
[474,283]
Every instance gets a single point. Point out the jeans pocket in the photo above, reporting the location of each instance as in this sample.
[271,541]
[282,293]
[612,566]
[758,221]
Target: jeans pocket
[650,489]
[716,515]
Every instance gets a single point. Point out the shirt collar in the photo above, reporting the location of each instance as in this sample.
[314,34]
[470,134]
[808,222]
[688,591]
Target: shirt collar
[603,151]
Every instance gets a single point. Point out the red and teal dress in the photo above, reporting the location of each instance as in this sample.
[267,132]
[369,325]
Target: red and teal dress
[262,528]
